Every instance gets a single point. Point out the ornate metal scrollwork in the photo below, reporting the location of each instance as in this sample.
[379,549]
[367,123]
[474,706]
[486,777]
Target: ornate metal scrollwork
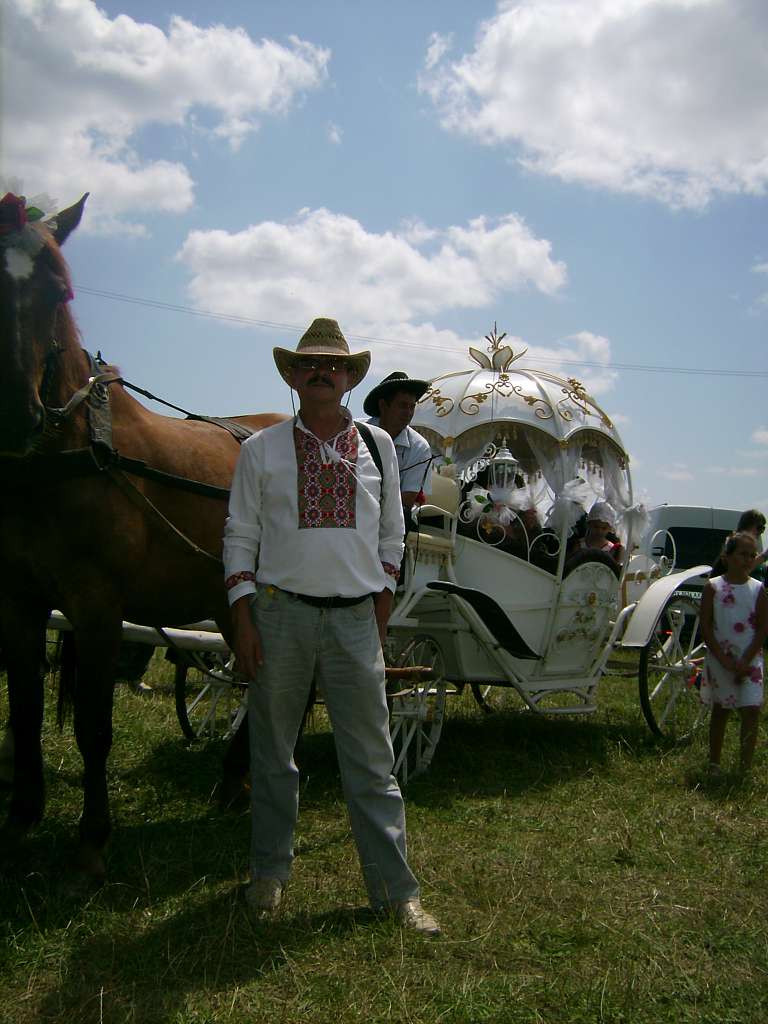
[470,404]
[443,402]
[575,392]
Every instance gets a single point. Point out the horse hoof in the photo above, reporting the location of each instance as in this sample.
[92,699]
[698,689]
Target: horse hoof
[90,866]
[12,835]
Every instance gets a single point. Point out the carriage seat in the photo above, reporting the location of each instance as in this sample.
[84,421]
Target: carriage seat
[438,512]
[442,503]
[494,618]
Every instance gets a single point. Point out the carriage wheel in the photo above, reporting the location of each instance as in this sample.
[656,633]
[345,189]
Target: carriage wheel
[416,716]
[209,702]
[670,672]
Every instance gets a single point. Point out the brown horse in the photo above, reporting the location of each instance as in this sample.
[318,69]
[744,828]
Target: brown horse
[81,530]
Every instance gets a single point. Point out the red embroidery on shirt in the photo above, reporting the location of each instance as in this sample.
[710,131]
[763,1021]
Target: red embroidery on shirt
[391,570]
[326,491]
[239,577]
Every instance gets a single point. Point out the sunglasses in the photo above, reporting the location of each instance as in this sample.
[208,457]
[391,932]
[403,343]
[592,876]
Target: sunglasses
[331,365]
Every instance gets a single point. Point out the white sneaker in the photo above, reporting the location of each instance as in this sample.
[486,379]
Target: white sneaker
[410,914]
[263,896]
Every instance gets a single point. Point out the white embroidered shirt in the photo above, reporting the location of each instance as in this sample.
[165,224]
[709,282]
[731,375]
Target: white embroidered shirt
[307,516]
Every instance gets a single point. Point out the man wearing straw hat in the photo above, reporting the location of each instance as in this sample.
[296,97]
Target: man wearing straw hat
[311,548]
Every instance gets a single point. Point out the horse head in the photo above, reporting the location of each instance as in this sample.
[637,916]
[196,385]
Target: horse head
[34,290]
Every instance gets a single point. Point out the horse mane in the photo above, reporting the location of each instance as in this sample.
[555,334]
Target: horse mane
[67,332]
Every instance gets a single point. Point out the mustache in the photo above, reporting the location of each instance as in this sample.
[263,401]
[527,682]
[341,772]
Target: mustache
[320,379]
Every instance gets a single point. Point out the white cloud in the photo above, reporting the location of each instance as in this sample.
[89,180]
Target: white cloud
[416,231]
[386,288]
[761,268]
[737,471]
[581,348]
[334,133]
[74,112]
[661,98]
[677,471]
[760,436]
[437,47]
[324,261]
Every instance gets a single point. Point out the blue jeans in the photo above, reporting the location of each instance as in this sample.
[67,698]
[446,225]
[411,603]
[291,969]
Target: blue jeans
[340,649]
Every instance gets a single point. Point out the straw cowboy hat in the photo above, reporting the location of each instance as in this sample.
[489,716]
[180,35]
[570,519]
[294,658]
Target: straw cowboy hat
[397,381]
[323,337]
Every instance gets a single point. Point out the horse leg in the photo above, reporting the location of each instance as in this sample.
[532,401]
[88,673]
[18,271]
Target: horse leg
[233,787]
[24,646]
[96,651]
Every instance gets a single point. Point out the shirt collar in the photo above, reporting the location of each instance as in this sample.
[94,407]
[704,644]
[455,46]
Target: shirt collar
[342,429]
[403,438]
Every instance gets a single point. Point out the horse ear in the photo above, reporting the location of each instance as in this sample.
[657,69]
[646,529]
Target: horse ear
[67,220]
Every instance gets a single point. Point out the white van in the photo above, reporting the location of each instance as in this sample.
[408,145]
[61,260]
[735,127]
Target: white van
[678,537]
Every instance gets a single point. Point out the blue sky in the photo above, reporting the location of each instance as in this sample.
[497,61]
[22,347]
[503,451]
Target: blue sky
[590,174]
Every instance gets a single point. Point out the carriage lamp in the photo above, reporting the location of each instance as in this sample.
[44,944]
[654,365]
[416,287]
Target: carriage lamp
[503,469]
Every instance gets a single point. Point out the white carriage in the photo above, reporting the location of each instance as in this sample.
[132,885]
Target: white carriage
[495,594]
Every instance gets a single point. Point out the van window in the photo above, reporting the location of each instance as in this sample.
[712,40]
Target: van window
[695,546]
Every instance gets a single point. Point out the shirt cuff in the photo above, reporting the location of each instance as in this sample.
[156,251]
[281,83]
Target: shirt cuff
[392,575]
[239,584]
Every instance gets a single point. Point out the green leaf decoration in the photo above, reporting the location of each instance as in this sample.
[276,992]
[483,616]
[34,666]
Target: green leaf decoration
[34,214]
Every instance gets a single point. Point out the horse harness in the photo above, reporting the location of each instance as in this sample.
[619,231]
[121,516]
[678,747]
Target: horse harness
[101,456]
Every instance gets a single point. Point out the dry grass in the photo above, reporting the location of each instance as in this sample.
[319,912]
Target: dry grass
[581,874]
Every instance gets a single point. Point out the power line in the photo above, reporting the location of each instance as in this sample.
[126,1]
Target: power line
[399,343]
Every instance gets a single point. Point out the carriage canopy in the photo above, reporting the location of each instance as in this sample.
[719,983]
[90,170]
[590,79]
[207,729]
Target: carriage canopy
[565,449]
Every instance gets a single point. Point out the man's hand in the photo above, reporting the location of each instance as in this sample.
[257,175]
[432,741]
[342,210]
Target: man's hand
[382,607]
[247,642]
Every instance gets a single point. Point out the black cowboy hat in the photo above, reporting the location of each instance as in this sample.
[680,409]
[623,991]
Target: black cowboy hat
[397,381]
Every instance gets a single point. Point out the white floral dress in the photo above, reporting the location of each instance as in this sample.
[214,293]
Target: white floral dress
[734,617]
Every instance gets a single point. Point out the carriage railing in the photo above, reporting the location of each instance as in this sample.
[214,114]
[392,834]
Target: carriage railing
[665,562]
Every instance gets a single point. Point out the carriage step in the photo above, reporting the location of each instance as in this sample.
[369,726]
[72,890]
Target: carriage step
[408,672]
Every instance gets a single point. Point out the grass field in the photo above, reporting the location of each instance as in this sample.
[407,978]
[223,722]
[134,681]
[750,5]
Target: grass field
[581,873]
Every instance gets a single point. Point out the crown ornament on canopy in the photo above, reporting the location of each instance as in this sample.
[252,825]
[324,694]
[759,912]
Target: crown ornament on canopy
[501,356]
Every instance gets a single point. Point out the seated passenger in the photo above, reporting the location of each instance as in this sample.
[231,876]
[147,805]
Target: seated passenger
[520,532]
[599,535]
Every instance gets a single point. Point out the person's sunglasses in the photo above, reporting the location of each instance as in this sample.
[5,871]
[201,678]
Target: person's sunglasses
[331,365]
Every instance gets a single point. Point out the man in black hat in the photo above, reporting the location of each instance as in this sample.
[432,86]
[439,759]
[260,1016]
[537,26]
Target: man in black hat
[391,405]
